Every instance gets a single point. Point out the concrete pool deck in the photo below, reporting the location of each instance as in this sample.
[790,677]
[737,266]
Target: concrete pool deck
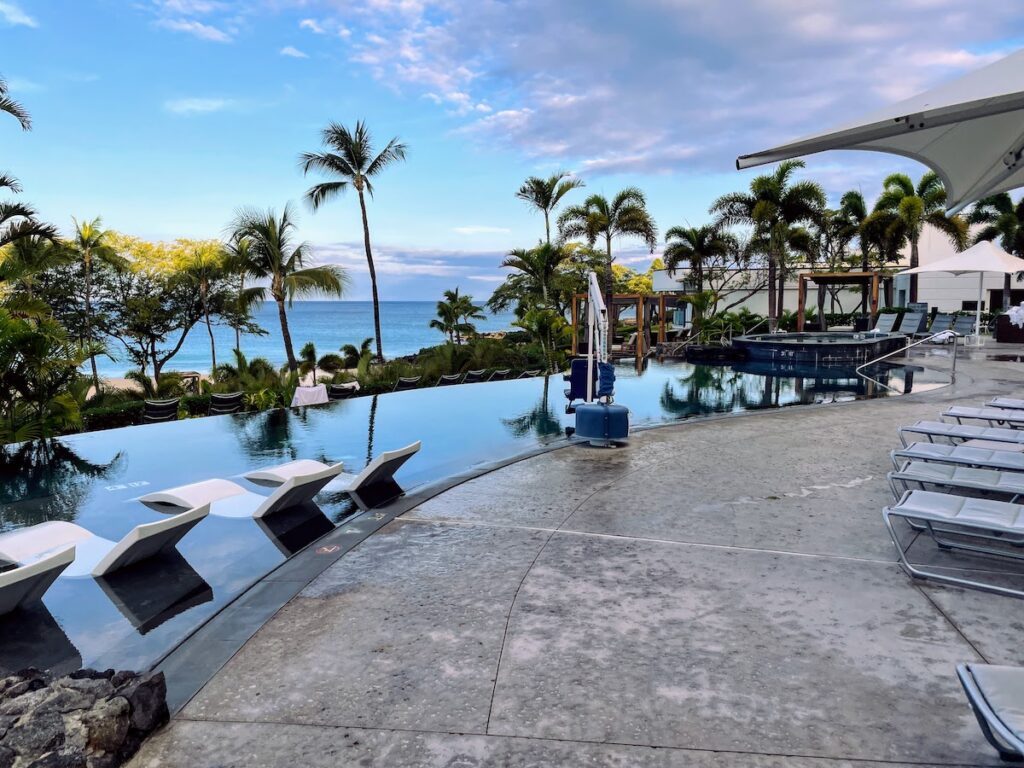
[718,593]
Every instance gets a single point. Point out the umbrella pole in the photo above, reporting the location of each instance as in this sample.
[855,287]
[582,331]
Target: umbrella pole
[977,311]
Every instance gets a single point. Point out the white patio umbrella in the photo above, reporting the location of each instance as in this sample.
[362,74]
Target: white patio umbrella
[984,257]
[969,131]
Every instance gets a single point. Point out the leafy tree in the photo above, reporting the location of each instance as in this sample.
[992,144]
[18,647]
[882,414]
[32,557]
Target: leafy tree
[545,194]
[696,246]
[625,215]
[23,265]
[774,207]
[1001,220]
[353,356]
[310,363]
[545,326]
[908,209]
[203,263]
[236,255]
[90,243]
[274,257]
[352,160]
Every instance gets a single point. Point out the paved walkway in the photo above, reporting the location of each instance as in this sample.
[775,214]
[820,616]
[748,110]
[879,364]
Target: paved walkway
[721,593]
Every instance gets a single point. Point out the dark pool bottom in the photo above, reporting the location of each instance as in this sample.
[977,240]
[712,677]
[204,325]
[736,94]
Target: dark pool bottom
[133,618]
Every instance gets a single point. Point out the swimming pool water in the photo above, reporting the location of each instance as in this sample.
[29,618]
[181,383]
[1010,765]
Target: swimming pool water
[132,618]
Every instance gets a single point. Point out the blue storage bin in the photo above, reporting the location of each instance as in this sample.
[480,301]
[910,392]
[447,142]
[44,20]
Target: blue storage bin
[602,423]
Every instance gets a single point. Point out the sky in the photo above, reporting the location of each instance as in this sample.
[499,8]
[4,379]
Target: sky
[165,116]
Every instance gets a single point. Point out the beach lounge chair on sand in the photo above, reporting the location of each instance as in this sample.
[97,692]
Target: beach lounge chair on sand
[25,584]
[995,417]
[961,432]
[959,455]
[228,499]
[924,473]
[380,471]
[95,555]
[939,514]
[996,694]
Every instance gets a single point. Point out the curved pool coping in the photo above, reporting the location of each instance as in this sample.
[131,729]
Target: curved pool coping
[196,658]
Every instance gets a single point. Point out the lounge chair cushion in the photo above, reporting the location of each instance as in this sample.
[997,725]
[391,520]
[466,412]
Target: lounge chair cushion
[26,545]
[284,472]
[1003,689]
[997,415]
[960,510]
[1011,403]
[195,494]
[944,428]
[964,477]
[964,455]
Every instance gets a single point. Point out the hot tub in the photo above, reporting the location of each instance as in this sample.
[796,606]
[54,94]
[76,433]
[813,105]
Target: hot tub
[826,348]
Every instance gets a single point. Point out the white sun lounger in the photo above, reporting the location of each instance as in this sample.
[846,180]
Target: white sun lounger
[961,432]
[95,555]
[26,583]
[993,416]
[996,695]
[924,473]
[1007,403]
[961,455]
[381,470]
[940,514]
[229,499]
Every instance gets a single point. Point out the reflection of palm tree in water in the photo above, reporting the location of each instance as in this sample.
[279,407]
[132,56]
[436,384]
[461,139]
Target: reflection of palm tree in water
[46,480]
[371,425]
[706,389]
[540,420]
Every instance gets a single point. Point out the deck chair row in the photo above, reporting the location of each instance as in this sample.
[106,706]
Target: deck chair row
[35,557]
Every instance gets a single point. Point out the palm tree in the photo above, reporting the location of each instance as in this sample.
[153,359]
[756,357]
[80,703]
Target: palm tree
[546,194]
[540,264]
[1001,220]
[447,320]
[310,363]
[773,206]
[89,242]
[274,257]
[913,208]
[624,216]
[353,356]
[696,246]
[236,255]
[465,310]
[351,159]
[13,108]
[204,265]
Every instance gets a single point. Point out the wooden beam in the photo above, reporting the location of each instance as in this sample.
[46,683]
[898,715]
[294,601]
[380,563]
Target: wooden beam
[874,298]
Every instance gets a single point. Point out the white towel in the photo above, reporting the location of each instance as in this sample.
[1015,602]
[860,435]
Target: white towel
[310,395]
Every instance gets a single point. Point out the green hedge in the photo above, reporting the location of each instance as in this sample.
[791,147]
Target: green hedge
[195,405]
[110,417]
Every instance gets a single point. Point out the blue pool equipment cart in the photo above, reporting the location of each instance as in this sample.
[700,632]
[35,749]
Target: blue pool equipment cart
[598,418]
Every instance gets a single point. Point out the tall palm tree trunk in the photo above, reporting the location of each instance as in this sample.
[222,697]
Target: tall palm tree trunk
[373,276]
[88,319]
[781,290]
[914,262]
[238,328]
[547,225]
[286,335]
[773,317]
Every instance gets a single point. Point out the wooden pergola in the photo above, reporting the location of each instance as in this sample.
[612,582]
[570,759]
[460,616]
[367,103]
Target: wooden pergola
[645,305]
[822,279]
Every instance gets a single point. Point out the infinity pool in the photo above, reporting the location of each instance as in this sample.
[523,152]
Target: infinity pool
[133,618]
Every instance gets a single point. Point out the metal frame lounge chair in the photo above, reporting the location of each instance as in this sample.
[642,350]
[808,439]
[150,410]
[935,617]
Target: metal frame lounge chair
[943,321]
[961,432]
[1006,403]
[959,455]
[500,375]
[95,555]
[406,382]
[221,404]
[155,411]
[886,323]
[913,323]
[964,325]
[474,377]
[959,478]
[940,514]
[996,694]
[993,416]
[229,499]
[379,471]
[25,584]
[529,374]
[449,379]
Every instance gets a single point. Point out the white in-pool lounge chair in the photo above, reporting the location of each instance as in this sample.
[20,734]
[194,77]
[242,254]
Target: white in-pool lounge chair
[940,514]
[379,471]
[1009,485]
[993,416]
[95,555]
[228,499]
[960,455]
[961,432]
[996,695]
[25,584]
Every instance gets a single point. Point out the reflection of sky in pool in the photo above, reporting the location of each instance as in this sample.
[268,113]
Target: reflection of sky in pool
[92,479]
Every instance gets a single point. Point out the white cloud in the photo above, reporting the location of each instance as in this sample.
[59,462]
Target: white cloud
[196,29]
[487,278]
[293,52]
[313,26]
[23,85]
[13,15]
[197,105]
[477,229]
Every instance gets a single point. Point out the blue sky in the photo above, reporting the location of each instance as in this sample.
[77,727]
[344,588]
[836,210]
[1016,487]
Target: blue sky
[163,116]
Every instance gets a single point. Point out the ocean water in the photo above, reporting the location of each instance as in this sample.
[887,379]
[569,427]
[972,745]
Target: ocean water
[328,324]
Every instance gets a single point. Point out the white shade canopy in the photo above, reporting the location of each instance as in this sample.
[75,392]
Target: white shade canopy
[969,131]
[986,256]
